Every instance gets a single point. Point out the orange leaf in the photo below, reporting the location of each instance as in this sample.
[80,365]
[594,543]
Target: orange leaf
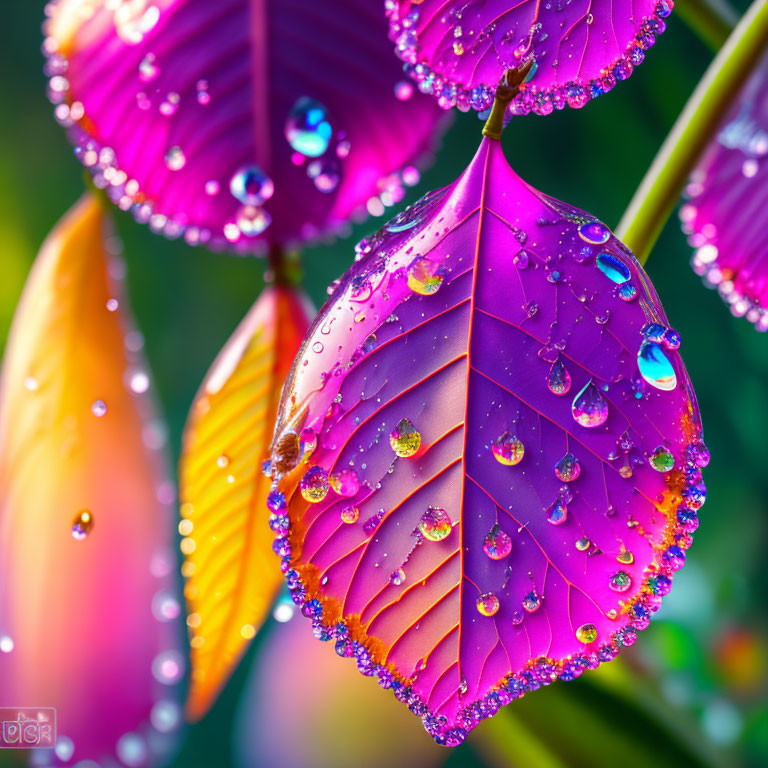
[233,575]
[87,607]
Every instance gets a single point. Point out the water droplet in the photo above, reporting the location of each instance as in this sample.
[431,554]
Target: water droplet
[252,220]
[212,188]
[397,577]
[594,232]
[345,482]
[557,512]
[314,485]
[583,544]
[532,602]
[521,259]
[403,90]
[488,604]
[405,439]
[435,524]
[251,186]
[662,459]
[612,268]
[325,173]
[350,514]
[99,408]
[586,633]
[568,468]
[307,128]
[508,450]
[424,276]
[82,525]
[307,443]
[558,378]
[497,544]
[628,292]
[175,159]
[626,558]
[223,461]
[148,69]
[620,581]
[589,408]
[203,97]
[655,367]
[6,644]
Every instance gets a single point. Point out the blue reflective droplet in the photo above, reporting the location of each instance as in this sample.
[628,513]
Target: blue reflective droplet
[612,268]
[655,366]
[307,128]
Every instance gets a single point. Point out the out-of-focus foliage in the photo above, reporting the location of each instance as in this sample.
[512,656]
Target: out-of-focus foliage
[709,644]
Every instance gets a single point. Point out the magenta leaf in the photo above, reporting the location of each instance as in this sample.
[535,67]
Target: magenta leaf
[238,123]
[728,193]
[458,50]
[528,476]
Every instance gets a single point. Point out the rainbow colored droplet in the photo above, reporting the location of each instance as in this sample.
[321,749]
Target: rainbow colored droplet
[590,408]
[435,524]
[497,544]
[488,604]
[508,450]
[405,439]
[314,485]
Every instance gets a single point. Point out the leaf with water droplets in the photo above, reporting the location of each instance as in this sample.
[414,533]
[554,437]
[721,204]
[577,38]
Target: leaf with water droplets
[89,611]
[459,50]
[238,123]
[724,214]
[231,574]
[514,493]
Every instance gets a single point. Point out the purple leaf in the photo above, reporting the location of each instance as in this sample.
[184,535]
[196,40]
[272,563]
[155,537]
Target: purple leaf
[236,123]
[724,217]
[458,50]
[526,442]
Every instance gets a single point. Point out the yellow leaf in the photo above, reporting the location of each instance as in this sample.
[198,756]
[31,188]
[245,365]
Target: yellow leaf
[232,573]
[87,607]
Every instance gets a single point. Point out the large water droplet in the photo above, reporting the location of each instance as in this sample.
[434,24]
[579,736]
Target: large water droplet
[405,439]
[568,468]
[497,544]
[435,524]
[508,450]
[620,581]
[251,186]
[82,525]
[425,276]
[662,459]
[345,482]
[558,378]
[586,633]
[557,512]
[350,514]
[594,233]
[488,604]
[314,485]
[655,366]
[612,268]
[589,408]
[532,601]
[307,128]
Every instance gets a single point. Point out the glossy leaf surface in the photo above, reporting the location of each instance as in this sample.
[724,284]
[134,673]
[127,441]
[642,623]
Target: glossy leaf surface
[728,193]
[232,577]
[238,123]
[459,50]
[497,384]
[89,613]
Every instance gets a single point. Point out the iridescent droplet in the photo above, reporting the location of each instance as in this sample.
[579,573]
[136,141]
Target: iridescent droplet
[488,604]
[628,292]
[425,276]
[508,450]
[314,485]
[625,557]
[497,544]
[405,439]
[557,512]
[175,159]
[99,408]
[397,577]
[82,525]
[350,514]
[586,633]
[307,128]
[521,259]
[613,268]
[594,233]
[435,524]
[620,581]
[589,408]
[532,601]
[252,220]
[345,482]
[568,468]
[662,459]
[655,367]
[583,544]
[325,174]
[251,186]
[148,69]
[558,378]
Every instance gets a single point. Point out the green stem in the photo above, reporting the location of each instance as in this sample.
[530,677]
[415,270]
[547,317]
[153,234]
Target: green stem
[660,190]
[284,266]
[711,20]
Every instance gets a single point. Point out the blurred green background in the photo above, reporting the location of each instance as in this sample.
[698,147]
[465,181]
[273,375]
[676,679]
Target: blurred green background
[705,657]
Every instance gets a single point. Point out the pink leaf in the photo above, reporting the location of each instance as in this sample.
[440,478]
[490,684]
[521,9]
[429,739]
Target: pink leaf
[498,374]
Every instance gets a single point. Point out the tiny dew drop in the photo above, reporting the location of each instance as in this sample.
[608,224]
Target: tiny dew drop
[175,159]
[583,544]
[98,408]
[82,525]
[397,577]
[558,378]
[350,514]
